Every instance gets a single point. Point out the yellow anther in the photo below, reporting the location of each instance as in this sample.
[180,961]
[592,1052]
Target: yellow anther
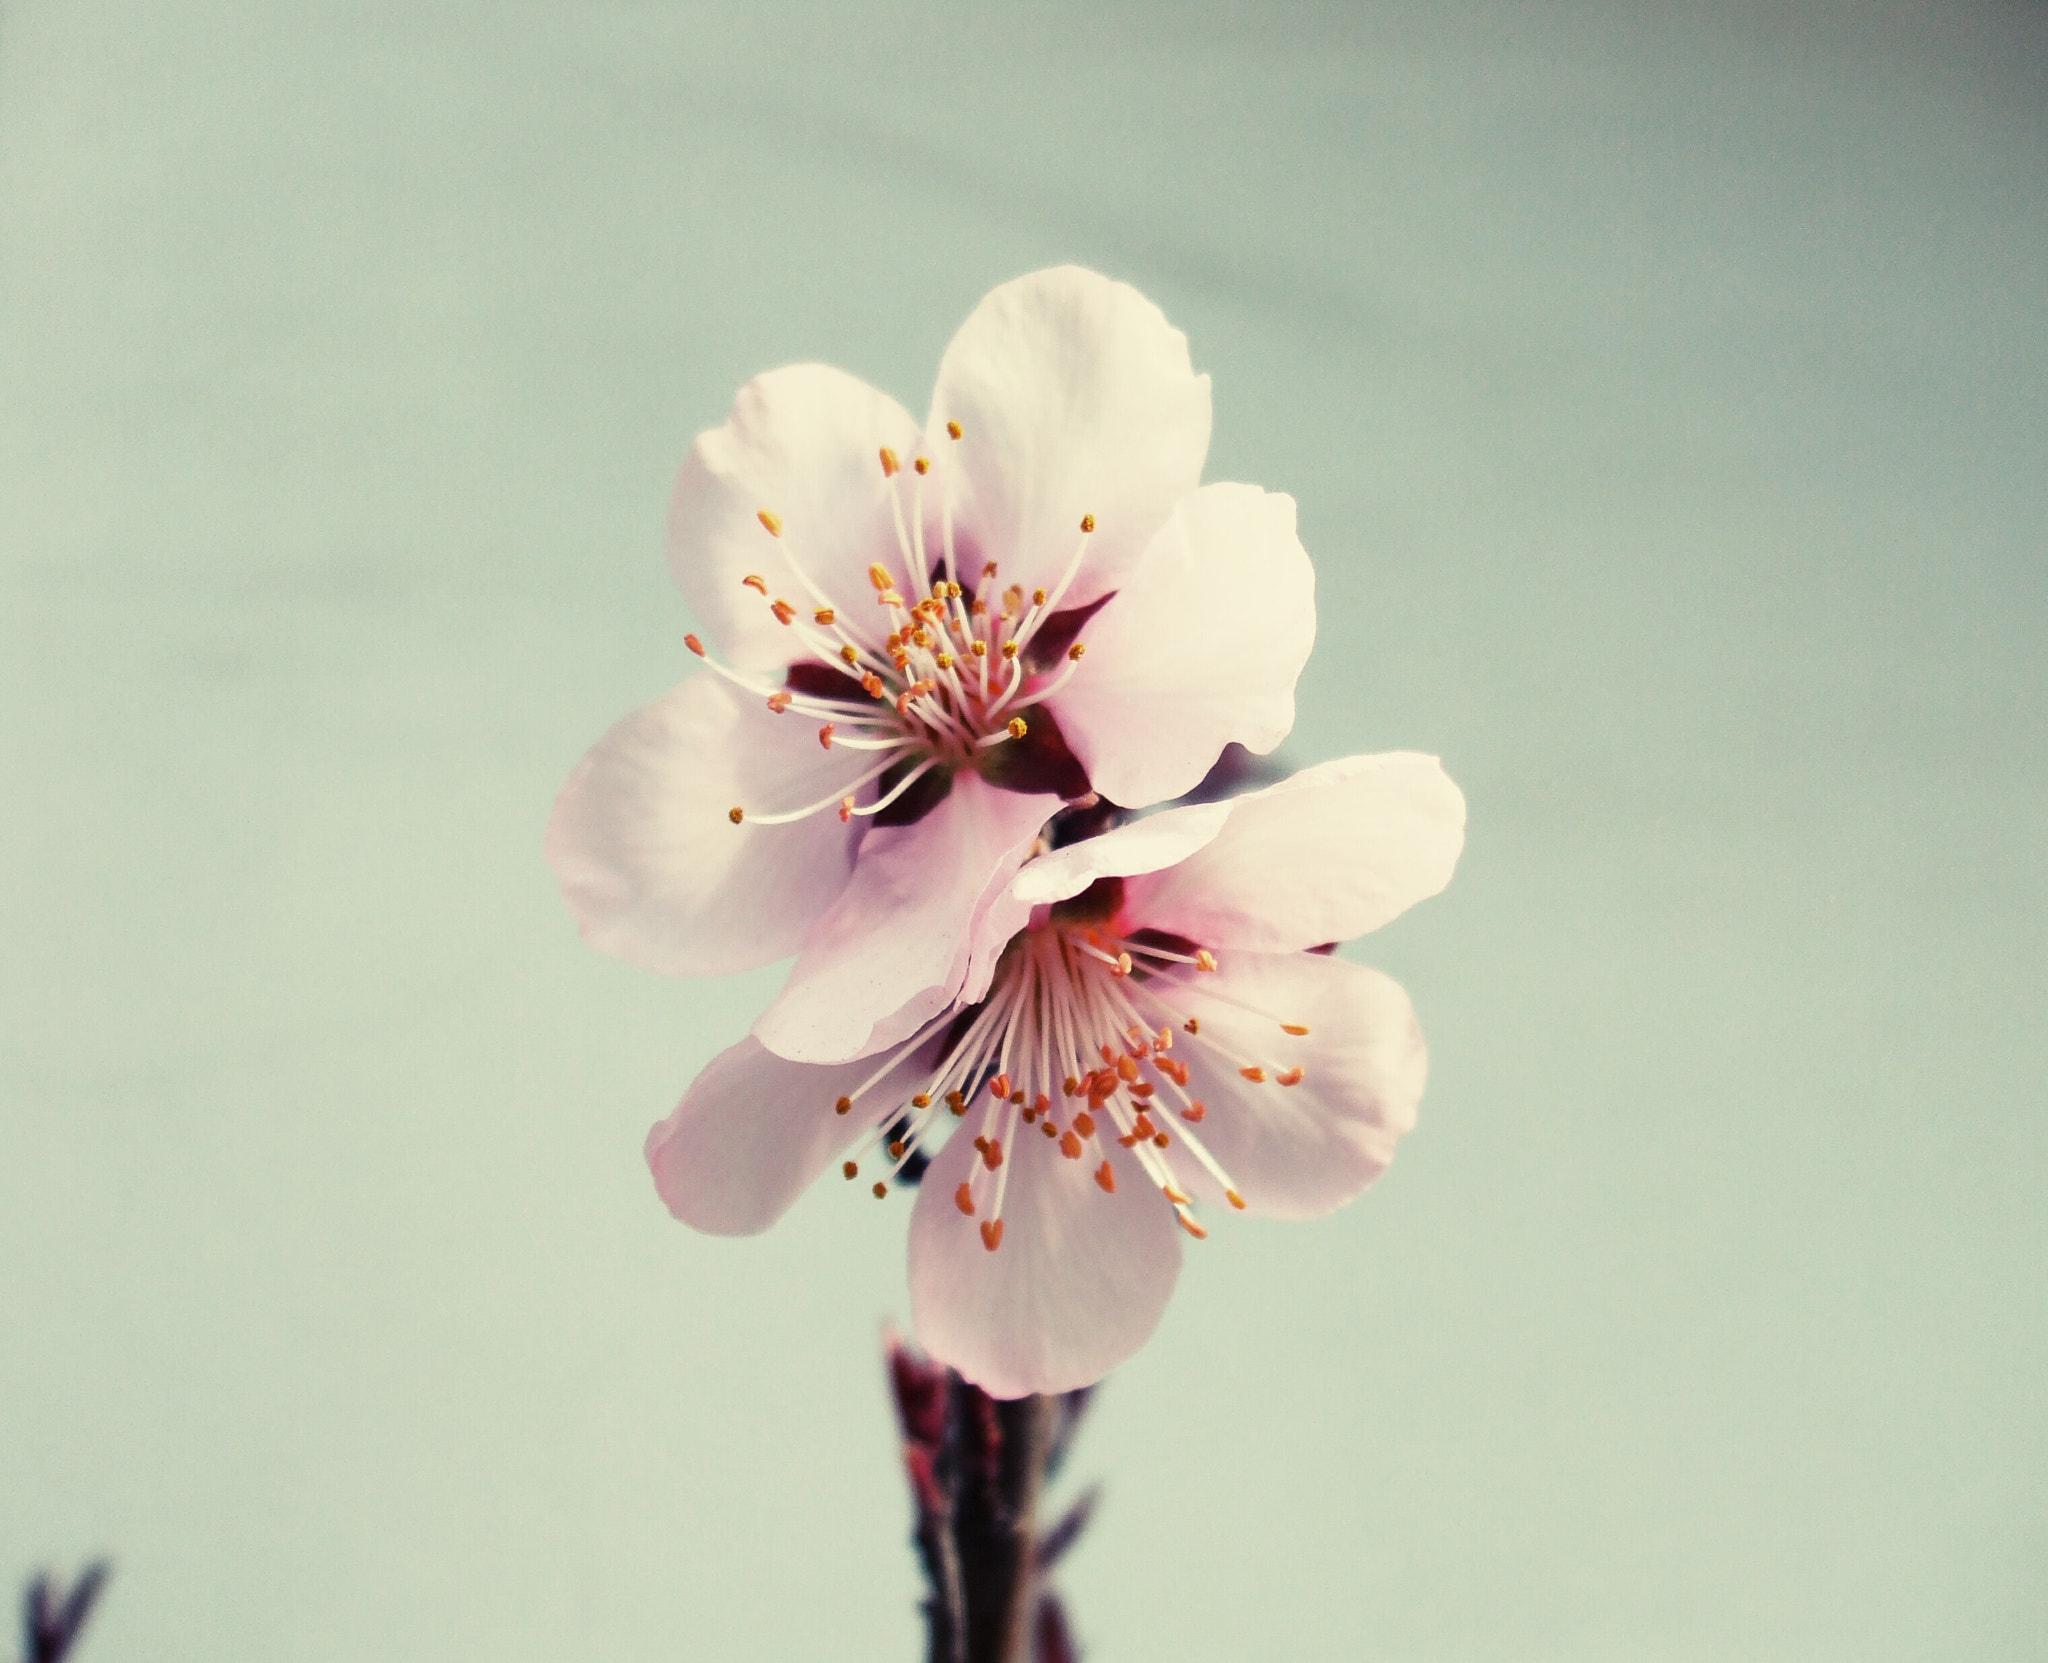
[922,464]
[1038,597]
[878,575]
[944,661]
[771,523]
[1236,1200]
[735,814]
[850,654]
[952,430]
[1009,649]
[1077,649]
[1019,727]
[1204,960]
[952,591]
[978,648]
[889,463]
[1087,522]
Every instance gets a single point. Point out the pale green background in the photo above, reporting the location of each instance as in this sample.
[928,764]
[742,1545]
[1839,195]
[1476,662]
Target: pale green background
[1664,399]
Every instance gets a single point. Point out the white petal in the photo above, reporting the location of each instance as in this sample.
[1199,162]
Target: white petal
[649,860]
[753,1131]
[1075,396]
[1145,845]
[1078,1284]
[1335,851]
[804,443]
[892,952]
[1296,1151]
[1201,645]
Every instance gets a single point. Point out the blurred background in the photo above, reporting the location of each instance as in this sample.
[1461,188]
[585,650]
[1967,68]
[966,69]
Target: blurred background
[1664,397]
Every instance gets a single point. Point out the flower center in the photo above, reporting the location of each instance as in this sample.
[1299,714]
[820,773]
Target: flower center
[928,685]
[1084,1039]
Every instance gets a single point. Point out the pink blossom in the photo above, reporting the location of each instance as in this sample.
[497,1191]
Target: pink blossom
[1153,1030]
[921,643]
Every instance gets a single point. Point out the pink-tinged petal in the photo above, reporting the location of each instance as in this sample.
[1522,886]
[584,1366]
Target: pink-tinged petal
[1075,397]
[753,1131]
[1295,1151]
[803,444]
[1335,851]
[1146,845]
[892,952]
[649,860]
[1078,1283]
[1201,645]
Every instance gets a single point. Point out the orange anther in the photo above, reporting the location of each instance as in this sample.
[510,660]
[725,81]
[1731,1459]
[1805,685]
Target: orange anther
[1142,1127]
[755,582]
[1070,1086]
[843,1106]
[992,1153]
[1291,1077]
[1204,959]
[952,430]
[999,1086]
[1254,1074]
[1294,1028]
[878,575]
[851,1169]
[1070,1146]
[1193,1024]
[898,1149]
[1048,1128]
[824,615]
[735,814]
[770,523]
[1038,597]
[957,1102]
[694,645]
[1127,1068]
[1193,1113]
[881,1190]
[1180,1198]
[1105,1175]
[871,684]
[845,810]
[1142,1088]
[1040,1103]
[923,1100]
[825,735]
[1236,1200]
[991,1233]
[989,569]
[1087,522]
[783,611]
[778,702]
[1077,649]
[1189,1225]
[1161,1139]
[963,1198]
[1084,1123]
[922,464]
[889,463]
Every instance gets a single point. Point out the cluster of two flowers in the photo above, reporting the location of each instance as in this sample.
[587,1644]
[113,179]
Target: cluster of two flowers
[935,665]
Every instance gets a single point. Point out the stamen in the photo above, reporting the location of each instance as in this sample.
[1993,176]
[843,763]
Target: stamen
[771,523]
